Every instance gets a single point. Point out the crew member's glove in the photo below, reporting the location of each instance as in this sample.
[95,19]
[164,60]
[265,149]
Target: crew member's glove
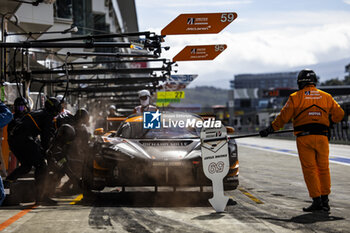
[266,132]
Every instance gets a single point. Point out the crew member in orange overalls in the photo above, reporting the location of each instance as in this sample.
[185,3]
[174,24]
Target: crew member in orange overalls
[311,111]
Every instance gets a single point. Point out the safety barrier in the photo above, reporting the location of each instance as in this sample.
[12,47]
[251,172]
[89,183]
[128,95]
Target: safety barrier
[341,132]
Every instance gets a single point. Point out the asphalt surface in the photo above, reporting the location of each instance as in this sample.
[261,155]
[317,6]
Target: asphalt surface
[269,199]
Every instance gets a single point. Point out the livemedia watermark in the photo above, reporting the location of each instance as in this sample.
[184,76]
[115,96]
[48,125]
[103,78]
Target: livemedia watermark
[154,120]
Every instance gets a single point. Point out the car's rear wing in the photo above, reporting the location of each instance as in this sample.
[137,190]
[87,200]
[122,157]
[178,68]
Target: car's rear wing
[206,116]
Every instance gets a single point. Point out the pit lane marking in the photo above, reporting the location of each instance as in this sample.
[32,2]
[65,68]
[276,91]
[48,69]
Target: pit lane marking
[250,196]
[332,158]
[15,217]
[77,199]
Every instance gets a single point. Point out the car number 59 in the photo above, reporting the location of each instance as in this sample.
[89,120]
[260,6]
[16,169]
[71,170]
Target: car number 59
[227,17]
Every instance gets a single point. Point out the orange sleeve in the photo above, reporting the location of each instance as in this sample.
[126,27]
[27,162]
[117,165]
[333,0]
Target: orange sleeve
[285,115]
[336,111]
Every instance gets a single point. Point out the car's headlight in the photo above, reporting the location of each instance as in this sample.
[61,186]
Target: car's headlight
[233,151]
[119,154]
[198,146]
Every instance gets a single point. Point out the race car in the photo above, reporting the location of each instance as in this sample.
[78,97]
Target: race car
[165,156]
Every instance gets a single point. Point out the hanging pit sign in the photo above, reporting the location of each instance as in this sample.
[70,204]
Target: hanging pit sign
[203,23]
[164,98]
[178,82]
[170,95]
[199,52]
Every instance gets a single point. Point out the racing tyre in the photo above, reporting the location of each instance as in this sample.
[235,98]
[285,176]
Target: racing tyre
[231,185]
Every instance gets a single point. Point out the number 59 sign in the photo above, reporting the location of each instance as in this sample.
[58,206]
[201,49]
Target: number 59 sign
[204,23]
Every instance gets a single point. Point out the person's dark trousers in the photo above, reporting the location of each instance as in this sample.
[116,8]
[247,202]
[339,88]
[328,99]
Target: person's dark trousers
[29,153]
[2,192]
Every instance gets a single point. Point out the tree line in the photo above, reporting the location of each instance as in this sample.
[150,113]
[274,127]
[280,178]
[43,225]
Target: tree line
[337,81]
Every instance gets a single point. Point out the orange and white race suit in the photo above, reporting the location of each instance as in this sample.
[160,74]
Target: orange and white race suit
[310,110]
[149,108]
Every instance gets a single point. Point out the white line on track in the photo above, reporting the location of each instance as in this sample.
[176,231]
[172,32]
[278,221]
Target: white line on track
[293,153]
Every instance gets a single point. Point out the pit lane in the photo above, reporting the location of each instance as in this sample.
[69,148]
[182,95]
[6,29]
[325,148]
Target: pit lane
[269,199]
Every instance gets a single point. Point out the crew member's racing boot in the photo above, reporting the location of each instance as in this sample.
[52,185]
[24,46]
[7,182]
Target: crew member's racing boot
[325,203]
[316,205]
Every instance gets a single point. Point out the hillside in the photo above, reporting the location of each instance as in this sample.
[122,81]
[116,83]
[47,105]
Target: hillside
[205,95]
[325,70]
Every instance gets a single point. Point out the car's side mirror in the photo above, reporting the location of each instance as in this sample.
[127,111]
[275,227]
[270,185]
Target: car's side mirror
[98,131]
[230,130]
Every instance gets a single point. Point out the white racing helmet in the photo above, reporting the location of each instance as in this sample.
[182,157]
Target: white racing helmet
[112,107]
[59,98]
[144,93]
[144,96]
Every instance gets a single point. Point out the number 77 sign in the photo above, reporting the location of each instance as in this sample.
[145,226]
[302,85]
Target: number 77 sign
[199,52]
[203,23]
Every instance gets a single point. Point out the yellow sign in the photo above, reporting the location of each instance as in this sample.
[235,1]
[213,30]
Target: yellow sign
[162,104]
[239,113]
[170,95]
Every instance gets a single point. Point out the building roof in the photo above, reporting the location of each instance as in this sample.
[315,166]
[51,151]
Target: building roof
[266,75]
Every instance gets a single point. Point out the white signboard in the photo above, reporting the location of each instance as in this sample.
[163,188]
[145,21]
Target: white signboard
[179,82]
[216,163]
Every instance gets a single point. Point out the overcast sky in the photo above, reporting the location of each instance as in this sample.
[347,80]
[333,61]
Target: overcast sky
[267,36]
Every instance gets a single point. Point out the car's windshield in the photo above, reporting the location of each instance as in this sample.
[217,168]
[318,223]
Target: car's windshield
[170,128]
